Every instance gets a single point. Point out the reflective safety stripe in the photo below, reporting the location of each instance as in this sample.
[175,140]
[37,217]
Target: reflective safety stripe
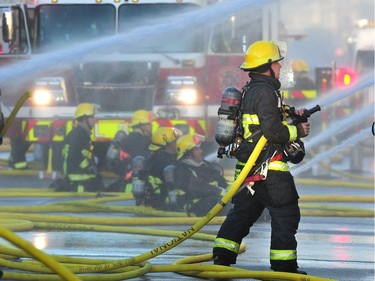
[180,192]
[279,166]
[80,177]
[227,244]
[283,255]
[20,165]
[292,132]
[84,164]
[249,119]
[274,165]
[156,184]
[128,188]
[80,188]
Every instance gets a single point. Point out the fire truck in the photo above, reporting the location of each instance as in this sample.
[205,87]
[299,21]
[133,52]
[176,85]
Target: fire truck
[359,65]
[166,56]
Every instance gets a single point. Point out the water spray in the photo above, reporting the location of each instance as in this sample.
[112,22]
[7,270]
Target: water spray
[350,121]
[336,96]
[322,156]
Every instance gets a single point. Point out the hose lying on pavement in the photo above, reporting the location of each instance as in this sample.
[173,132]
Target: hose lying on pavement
[93,269]
[179,238]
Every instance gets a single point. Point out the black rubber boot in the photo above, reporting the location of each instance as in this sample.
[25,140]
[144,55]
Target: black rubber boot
[221,261]
[293,271]
[300,272]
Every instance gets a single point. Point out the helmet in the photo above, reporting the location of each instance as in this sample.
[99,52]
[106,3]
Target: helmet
[84,109]
[141,117]
[187,143]
[162,136]
[300,65]
[261,53]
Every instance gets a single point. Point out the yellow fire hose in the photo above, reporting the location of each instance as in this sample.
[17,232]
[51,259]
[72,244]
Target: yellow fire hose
[61,270]
[138,266]
[179,238]
[336,183]
[119,221]
[13,114]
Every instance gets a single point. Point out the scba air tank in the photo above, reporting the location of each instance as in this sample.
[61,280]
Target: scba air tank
[227,116]
[138,184]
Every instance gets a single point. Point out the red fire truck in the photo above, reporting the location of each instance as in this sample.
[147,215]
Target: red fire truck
[173,57]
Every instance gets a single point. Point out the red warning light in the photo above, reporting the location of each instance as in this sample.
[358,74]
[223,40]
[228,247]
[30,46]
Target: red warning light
[345,77]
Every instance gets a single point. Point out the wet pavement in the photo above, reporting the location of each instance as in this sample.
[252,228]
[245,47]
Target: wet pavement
[335,239]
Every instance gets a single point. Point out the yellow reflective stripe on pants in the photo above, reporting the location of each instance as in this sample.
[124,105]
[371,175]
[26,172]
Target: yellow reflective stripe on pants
[80,177]
[279,166]
[20,165]
[283,255]
[227,244]
[80,188]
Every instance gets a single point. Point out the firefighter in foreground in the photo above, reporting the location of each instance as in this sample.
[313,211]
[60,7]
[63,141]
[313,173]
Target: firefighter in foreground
[202,182]
[160,168]
[80,167]
[263,111]
[126,147]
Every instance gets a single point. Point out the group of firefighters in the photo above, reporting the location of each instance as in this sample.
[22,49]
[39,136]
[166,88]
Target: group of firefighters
[166,170]
[163,169]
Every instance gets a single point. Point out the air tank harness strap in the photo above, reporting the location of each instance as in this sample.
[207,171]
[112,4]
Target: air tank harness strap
[260,174]
[253,178]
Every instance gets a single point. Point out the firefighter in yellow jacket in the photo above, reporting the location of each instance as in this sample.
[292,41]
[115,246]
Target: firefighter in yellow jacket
[263,112]
[80,167]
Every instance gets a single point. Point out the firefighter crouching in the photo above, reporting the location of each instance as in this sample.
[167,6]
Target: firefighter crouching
[159,170]
[80,167]
[202,184]
[263,111]
[125,148]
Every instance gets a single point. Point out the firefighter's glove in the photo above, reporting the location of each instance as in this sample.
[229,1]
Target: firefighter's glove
[294,152]
[303,129]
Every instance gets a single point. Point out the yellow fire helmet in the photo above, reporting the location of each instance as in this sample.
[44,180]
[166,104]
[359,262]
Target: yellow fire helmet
[187,143]
[141,117]
[261,53]
[162,136]
[300,66]
[84,109]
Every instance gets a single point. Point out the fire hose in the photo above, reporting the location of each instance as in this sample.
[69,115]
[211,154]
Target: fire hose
[13,114]
[59,269]
[66,274]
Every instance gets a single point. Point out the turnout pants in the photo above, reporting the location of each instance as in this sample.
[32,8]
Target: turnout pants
[278,194]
